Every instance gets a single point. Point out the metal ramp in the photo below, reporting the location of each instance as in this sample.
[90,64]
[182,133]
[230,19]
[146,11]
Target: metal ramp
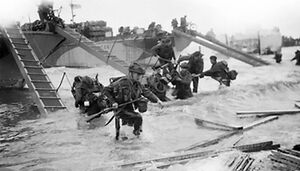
[45,95]
[222,48]
[93,49]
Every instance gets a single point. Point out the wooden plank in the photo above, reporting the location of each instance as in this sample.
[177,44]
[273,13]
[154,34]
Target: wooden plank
[288,164]
[291,152]
[288,157]
[200,122]
[269,112]
[170,159]
[259,122]
[226,135]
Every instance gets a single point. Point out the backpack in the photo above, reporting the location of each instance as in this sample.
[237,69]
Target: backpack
[232,74]
[122,89]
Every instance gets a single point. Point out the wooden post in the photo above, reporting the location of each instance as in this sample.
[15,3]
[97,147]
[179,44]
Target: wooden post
[268,112]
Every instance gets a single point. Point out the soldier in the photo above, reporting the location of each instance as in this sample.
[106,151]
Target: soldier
[88,95]
[166,53]
[297,57]
[220,72]
[182,83]
[195,66]
[129,89]
[278,57]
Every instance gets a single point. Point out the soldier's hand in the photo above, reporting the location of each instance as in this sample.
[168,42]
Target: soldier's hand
[160,104]
[201,75]
[115,105]
[97,94]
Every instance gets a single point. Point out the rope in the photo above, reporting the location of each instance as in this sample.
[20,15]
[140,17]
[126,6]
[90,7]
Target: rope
[61,81]
[111,50]
[68,81]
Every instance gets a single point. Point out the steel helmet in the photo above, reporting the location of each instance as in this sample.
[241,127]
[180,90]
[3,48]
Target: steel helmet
[137,68]
[184,65]
[213,57]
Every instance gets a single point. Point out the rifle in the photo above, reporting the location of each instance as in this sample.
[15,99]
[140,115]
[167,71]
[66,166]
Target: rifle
[91,117]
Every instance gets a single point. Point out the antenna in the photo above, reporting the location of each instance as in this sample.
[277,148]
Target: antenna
[71,5]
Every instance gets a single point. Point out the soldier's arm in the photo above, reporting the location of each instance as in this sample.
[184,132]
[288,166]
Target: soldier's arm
[149,95]
[294,58]
[154,49]
[108,92]
[183,58]
[187,78]
[173,54]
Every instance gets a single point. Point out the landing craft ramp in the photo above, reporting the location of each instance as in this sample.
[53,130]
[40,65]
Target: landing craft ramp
[221,47]
[93,49]
[45,95]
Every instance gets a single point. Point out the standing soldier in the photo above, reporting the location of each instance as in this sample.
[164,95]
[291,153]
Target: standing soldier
[128,89]
[166,53]
[183,83]
[278,57]
[297,57]
[195,66]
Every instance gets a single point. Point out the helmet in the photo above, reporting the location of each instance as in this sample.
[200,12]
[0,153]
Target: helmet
[213,57]
[135,67]
[184,65]
[224,62]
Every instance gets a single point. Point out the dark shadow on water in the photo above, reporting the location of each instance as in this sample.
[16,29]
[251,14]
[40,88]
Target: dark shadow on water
[16,105]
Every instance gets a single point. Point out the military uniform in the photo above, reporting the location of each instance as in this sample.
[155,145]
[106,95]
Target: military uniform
[83,90]
[219,72]
[195,67]
[183,82]
[126,89]
[297,57]
[166,53]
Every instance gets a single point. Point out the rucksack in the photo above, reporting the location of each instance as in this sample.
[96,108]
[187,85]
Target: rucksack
[232,74]
[122,89]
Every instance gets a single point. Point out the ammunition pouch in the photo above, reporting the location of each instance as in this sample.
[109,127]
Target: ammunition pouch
[142,105]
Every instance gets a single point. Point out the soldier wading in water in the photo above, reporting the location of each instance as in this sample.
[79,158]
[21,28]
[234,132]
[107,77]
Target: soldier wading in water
[129,89]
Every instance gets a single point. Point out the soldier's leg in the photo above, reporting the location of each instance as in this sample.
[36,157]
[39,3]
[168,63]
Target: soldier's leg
[117,126]
[136,119]
[195,84]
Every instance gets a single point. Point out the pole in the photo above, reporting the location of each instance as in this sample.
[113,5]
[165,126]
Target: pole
[71,5]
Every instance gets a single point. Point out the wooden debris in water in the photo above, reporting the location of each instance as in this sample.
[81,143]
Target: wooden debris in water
[267,112]
[286,158]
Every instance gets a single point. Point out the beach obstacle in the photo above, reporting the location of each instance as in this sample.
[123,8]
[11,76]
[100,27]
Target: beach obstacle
[229,134]
[267,112]
[202,122]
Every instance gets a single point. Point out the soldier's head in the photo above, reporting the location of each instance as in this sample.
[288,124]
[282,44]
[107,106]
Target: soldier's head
[135,71]
[297,52]
[197,53]
[184,66]
[213,59]
[167,41]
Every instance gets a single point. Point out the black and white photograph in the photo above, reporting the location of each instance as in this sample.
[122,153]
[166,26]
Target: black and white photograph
[149,85]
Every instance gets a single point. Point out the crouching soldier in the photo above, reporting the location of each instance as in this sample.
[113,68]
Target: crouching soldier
[182,83]
[125,90]
[220,72]
[88,95]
